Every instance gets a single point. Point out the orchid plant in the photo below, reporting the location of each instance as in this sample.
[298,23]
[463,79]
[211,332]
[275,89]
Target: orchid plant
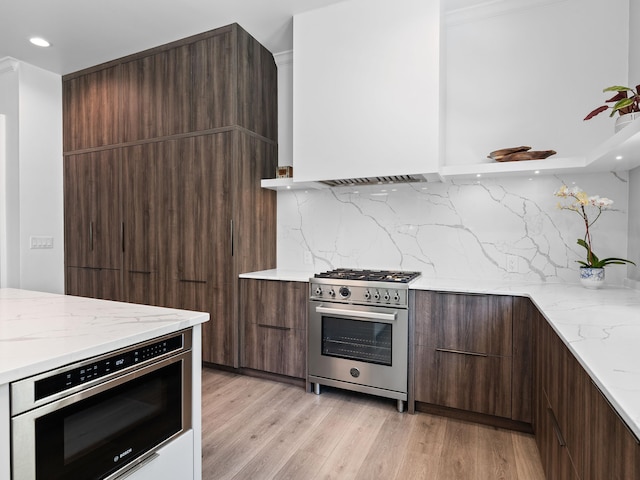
[581,203]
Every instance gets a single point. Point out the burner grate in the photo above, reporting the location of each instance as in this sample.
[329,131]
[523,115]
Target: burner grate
[369,275]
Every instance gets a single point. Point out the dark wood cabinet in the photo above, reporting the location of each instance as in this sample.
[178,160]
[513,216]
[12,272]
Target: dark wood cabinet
[101,283]
[274,322]
[466,353]
[579,435]
[164,153]
[91,109]
[156,94]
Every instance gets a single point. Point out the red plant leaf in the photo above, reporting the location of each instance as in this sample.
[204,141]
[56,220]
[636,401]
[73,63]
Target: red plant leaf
[596,112]
[617,97]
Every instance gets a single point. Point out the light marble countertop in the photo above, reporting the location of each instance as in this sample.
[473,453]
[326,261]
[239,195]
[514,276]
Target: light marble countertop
[40,331]
[600,327]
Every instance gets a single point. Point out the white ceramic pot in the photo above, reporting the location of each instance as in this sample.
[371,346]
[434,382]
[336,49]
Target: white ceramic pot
[624,120]
[591,277]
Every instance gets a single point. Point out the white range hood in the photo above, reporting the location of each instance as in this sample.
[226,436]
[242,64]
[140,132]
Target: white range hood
[366,91]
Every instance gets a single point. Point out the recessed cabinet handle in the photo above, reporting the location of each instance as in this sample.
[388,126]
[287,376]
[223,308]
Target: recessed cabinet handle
[556,428]
[461,352]
[91,236]
[231,237]
[186,280]
[274,327]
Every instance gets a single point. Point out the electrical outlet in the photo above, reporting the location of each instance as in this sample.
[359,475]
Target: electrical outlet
[40,242]
[512,263]
[308,258]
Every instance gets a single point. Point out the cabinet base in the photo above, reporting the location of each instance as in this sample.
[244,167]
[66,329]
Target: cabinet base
[499,422]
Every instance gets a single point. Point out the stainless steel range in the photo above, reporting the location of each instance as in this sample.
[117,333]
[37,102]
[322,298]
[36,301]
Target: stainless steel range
[358,331]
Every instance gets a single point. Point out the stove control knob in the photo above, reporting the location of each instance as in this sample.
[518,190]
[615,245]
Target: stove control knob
[332,292]
[386,297]
[318,291]
[345,292]
[376,296]
[396,297]
[367,295]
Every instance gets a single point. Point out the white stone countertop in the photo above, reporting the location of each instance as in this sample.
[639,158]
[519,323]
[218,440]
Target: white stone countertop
[40,331]
[601,328]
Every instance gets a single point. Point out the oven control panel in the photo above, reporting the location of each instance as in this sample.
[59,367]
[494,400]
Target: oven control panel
[378,293]
[102,367]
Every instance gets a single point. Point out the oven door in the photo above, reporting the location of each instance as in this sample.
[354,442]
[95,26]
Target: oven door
[96,433]
[359,345]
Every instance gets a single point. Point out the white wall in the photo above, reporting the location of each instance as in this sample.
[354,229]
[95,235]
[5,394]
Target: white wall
[634,177]
[284,62]
[529,75]
[9,189]
[31,101]
[634,43]
[634,225]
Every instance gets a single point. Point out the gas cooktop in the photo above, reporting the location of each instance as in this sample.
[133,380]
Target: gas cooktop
[369,275]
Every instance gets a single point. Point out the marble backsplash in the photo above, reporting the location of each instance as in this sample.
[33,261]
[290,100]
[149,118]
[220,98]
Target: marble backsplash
[462,229]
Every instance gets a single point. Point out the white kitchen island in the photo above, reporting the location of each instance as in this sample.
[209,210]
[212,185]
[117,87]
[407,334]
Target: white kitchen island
[42,331]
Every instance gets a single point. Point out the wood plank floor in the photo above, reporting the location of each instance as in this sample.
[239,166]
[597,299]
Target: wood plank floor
[259,429]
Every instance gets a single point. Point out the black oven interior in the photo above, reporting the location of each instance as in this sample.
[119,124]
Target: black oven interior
[366,341]
[95,437]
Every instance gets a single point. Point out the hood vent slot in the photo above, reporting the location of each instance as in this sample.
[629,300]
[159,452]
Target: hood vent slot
[350,182]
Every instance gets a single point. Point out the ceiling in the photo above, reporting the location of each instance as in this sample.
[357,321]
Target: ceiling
[84,33]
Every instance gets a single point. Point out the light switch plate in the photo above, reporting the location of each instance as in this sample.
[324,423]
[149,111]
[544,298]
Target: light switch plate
[37,242]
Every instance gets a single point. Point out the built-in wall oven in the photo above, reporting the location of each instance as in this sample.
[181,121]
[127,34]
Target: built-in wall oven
[103,417]
[358,331]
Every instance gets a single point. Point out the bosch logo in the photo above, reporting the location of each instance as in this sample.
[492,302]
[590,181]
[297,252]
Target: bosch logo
[122,455]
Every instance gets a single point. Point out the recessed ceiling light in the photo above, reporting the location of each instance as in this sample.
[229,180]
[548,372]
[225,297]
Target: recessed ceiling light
[619,157]
[537,172]
[478,175]
[40,42]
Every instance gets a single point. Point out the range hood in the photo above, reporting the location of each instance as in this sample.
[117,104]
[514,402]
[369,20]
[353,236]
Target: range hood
[350,182]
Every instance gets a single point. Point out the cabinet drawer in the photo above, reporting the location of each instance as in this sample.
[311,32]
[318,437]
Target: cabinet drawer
[274,303]
[471,323]
[280,350]
[477,383]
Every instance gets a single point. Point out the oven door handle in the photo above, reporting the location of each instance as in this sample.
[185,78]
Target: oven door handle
[389,317]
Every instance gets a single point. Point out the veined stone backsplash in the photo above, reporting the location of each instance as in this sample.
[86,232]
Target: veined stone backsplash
[462,229]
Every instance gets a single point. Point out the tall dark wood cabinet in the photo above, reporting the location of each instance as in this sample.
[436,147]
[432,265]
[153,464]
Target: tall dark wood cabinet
[164,153]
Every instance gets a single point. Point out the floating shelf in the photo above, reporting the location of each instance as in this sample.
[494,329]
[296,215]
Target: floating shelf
[289,184]
[621,152]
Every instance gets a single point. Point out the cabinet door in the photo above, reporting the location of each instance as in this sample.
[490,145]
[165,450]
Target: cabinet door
[90,110]
[92,210]
[274,318]
[613,451]
[196,246]
[473,382]
[141,211]
[463,351]
[93,282]
[213,88]
[156,95]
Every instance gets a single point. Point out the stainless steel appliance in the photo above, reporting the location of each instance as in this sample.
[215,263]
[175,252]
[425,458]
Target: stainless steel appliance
[358,331]
[103,417]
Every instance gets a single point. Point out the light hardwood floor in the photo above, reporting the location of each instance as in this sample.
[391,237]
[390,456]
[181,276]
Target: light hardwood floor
[259,429]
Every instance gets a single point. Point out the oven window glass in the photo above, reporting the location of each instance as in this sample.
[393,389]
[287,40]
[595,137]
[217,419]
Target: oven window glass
[99,435]
[366,341]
